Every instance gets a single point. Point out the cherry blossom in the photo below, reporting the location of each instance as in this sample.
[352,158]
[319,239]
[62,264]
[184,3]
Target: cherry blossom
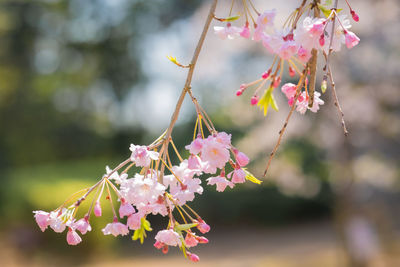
[115,228]
[73,238]
[169,237]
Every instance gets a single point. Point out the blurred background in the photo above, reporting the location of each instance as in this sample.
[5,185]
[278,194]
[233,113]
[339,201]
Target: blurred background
[81,80]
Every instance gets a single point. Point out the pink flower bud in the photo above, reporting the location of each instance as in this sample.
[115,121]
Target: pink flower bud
[203,227]
[254,100]
[242,159]
[239,92]
[73,238]
[354,15]
[202,240]
[277,82]
[266,74]
[193,257]
[322,40]
[97,209]
[158,245]
[291,101]
[292,73]
[165,249]
[243,86]
[126,209]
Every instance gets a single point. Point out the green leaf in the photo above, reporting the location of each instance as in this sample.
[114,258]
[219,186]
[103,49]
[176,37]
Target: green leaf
[267,100]
[141,232]
[233,18]
[184,227]
[325,10]
[251,177]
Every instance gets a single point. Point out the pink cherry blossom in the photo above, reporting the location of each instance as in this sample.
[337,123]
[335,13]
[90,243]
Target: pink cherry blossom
[351,39]
[191,240]
[134,221]
[97,209]
[214,154]
[307,34]
[317,102]
[56,223]
[126,209]
[266,18]
[194,163]
[42,219]
[238,176]
[115,228]
[142,156]
[242,159]
[221,183]
[228,31]
[223,138]
[82,225]
[73,238]
[289,89]
[141,190]
[196,146]
[303,54]
[245,32]
[169,237]
[115,176]
[302,103]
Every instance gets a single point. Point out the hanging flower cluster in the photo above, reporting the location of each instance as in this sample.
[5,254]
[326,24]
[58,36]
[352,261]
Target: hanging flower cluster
[162,187]
[159,188]
[304,34]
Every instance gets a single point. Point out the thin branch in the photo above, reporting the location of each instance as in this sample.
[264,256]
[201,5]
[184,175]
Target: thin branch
[282,131]
[313,62]
[188,81]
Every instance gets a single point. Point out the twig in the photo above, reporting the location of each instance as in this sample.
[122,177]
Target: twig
[336,100]
[188,82]
[313,62]
[282,131]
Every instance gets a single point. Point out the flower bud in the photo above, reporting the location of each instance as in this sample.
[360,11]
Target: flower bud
[239,92]
[254,100]
[202,240]
[292,73]
[97,209]
[324,86]
[203,227]
[356,18]
[193,257]
[322,40]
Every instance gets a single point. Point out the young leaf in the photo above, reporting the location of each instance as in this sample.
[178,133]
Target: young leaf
[184,227]
[267,100]
[141,232]
[233,18]
[251,177]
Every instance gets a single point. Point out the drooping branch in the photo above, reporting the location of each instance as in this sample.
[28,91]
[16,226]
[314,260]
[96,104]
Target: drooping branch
[188,80]
[282,131]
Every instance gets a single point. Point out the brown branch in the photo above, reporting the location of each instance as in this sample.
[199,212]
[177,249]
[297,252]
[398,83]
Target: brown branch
[282,131]
[188,82]
[313,62]
[336,100]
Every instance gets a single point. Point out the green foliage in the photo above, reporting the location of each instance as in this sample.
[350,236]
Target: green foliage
[141,232]
[267,100]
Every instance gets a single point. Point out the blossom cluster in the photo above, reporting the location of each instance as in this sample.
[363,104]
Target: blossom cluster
[294,44]
[151,191]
